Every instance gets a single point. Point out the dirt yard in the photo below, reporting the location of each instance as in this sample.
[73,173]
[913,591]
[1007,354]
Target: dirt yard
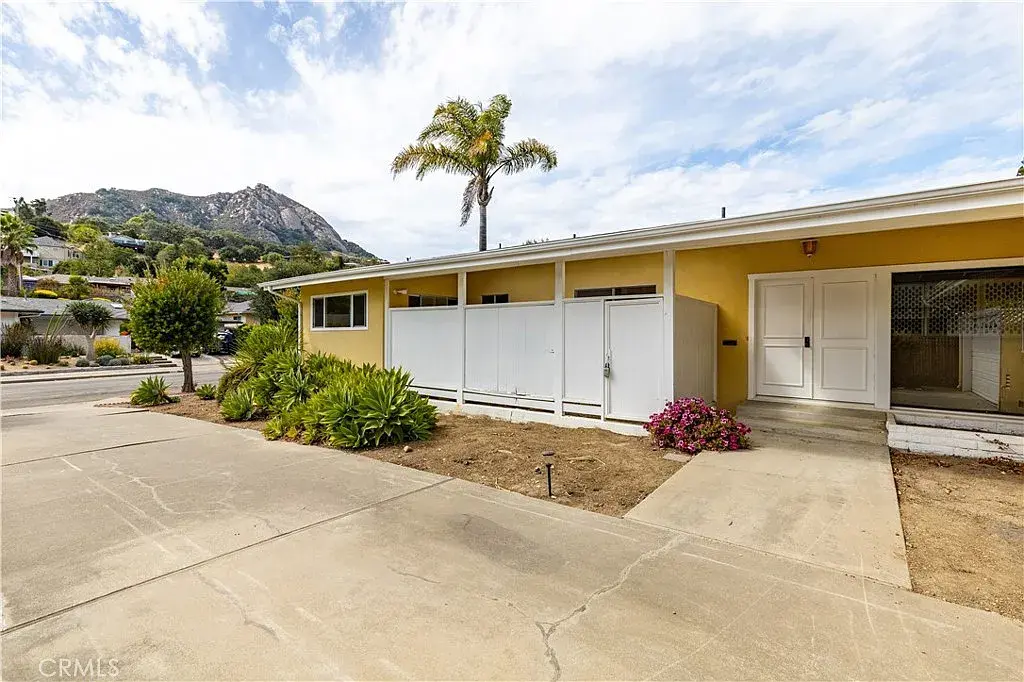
[593,469]
[964,526]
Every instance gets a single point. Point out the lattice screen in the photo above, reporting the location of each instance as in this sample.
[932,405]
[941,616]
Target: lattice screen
[958,307]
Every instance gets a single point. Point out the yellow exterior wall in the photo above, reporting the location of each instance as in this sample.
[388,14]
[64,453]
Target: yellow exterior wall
[623,271]
[720,274]
[441,285]
[523,283]
[357,345]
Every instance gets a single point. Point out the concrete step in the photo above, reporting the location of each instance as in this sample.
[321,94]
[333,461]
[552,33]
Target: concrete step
[868,435]
[810,415]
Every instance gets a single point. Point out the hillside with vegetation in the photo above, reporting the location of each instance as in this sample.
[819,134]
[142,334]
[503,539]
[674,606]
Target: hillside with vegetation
[257,213]
[143,244]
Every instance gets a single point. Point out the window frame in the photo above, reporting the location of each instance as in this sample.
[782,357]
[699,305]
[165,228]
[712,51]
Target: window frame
[351,295]
[494,297]
[615,291]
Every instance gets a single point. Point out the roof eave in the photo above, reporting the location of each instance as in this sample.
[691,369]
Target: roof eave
[991,200]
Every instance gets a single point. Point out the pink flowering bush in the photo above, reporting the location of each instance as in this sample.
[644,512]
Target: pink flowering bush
[691,425]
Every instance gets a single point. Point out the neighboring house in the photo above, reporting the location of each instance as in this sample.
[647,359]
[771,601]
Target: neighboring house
[909,304]
[235,315]
[43,312]
[105,287]
[48,252]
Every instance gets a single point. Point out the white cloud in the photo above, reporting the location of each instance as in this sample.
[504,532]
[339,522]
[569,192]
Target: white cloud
[659,112]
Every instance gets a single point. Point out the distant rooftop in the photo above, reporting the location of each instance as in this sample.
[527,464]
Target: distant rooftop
[53,306]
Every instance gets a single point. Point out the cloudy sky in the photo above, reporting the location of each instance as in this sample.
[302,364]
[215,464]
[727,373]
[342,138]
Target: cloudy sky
[659,112]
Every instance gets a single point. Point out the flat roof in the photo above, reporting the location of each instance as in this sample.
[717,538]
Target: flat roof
[994,200]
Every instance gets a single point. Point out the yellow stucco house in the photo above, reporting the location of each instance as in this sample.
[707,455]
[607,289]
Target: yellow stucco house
[911,302]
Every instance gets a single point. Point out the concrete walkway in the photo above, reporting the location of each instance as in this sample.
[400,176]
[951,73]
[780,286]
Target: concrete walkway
[829,503]
[215,555]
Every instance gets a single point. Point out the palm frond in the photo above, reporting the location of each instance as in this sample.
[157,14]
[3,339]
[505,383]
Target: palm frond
[526,154]
[429,157]
[468,199]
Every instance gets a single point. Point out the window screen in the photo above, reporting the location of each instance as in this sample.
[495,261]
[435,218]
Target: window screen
[494,298]
[343,311]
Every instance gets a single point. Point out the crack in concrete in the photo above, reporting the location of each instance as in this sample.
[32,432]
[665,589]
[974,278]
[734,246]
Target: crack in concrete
[222,589]
[547,630]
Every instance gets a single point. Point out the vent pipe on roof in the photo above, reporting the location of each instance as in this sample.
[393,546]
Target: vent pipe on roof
[723,211]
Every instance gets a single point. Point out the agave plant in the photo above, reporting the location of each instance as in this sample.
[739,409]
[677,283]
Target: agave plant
[241,404]
[206,391]
[151,391]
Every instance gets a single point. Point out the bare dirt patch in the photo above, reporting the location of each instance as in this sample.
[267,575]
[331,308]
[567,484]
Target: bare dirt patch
[207,410]
[593,469]
[963,521]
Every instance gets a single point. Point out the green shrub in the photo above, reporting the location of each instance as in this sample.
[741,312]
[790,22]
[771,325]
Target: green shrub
[206,392]
[152,391]
[44,350]
[71,349]
[81,362]
[262,342]
[111,347]
[385,411]
[241,404]
[43,293]
[141,359]
[14,338]
[104,360]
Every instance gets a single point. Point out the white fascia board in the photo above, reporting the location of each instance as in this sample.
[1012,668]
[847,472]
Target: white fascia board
[985,201]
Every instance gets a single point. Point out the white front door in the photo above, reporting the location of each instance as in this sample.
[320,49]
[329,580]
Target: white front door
[844,334]
[783,353]
[815,337]
[634,359]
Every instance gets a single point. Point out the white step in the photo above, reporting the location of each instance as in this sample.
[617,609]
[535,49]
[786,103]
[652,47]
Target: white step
[823,415]
[847,434]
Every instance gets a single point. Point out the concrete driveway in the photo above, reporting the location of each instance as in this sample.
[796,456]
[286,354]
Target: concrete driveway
[184,550]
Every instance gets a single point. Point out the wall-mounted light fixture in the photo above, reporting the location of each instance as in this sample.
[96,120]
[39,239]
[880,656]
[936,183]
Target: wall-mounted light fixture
[400,292]
[809,246]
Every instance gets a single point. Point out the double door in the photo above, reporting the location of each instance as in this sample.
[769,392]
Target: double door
[815,337]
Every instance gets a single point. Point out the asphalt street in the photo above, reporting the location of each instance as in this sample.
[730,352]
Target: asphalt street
[38,393]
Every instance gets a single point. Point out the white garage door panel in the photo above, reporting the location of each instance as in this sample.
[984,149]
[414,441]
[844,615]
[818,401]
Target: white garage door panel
[425,342]
[584,352]
[985,366]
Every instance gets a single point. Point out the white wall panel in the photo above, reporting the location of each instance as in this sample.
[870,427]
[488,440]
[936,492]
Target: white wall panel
[482,349]
[584,351]
[425,342]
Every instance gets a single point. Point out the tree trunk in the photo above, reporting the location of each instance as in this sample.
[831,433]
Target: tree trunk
[11,279]
[90,350]
[483,225]
[188,386]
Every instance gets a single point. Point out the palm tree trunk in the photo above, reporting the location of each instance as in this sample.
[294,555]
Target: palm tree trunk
[483,226]
[187,386]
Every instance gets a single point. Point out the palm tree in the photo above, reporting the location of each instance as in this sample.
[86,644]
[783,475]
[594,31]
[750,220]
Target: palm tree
[469,139]
[15,237]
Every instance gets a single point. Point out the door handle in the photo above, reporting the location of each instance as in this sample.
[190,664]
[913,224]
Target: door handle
[807,342]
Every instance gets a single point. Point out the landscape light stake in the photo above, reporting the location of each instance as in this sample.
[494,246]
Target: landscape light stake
[548,454]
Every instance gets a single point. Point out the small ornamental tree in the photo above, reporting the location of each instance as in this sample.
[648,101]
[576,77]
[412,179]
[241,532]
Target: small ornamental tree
[76,289]
[177,310]
[90,316]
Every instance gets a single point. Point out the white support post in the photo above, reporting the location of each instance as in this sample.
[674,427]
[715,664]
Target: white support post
[668,289]
[299,318]
[387,323]
[460,399]
[559,336]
